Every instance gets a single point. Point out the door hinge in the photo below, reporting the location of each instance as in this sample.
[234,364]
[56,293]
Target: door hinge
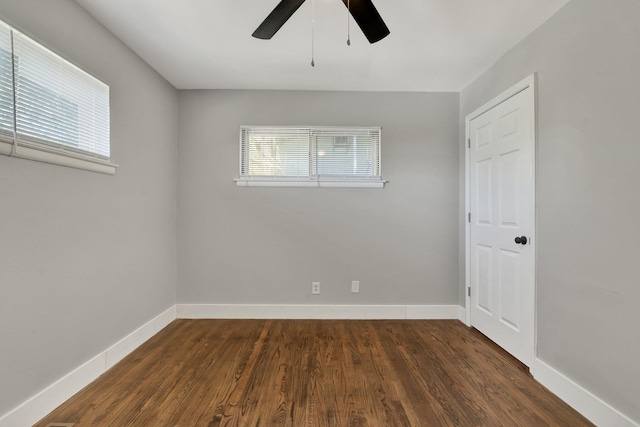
[469,291]
[469,142]
[469,217]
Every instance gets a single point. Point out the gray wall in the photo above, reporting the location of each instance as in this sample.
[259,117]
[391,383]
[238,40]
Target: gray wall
[86,258]
[266,245]
[587,60]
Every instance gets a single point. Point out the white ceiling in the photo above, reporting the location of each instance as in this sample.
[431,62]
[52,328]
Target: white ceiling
[434,45]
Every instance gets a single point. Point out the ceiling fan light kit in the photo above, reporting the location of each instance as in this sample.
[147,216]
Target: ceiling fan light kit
[363,12]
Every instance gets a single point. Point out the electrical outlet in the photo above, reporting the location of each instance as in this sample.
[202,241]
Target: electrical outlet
[355,286]
[315,288]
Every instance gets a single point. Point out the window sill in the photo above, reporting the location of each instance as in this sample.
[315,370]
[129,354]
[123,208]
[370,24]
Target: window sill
[311,182]
[58,158]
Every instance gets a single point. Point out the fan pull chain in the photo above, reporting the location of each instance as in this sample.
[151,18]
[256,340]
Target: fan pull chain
[348,22]
[313,24]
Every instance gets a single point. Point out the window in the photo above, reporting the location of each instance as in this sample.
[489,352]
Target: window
[50,110]
[310,157]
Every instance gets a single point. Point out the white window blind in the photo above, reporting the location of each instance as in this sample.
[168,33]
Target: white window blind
[310,156]
[60,113]
[57,103]
[347,152]
[275,152]
[6,85]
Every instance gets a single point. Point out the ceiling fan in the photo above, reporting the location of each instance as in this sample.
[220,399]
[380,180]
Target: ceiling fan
[363,12]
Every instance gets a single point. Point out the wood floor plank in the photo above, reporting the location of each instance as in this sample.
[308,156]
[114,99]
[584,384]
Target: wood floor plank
[377,388]
[309,373]
[178,383]
[105,396]
[422,370]
[276,403]
[515,379]
[211,402]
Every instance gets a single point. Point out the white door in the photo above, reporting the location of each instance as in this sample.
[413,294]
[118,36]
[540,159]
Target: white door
[501,201]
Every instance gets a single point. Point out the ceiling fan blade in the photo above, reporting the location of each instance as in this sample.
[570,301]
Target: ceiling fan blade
[368,19]
[277,18]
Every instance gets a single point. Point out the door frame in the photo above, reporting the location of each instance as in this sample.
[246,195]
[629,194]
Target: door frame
[528,82]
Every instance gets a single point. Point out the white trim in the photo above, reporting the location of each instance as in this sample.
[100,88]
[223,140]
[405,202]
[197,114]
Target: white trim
[310,182]
[356,312]
[58,158]
[528,82]
[125,346]
[28,146]
[38,406]
[41,404]
[592,407]
[432,312]
[311,178]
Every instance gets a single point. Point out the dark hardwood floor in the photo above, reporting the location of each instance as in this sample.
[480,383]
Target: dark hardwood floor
[316,373]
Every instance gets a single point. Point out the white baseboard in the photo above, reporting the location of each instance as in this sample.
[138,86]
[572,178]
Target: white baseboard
[38,406]
[590,406]
[122,348]
[355,312]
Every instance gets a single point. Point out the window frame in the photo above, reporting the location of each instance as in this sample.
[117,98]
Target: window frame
[15,144]
[313,180]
